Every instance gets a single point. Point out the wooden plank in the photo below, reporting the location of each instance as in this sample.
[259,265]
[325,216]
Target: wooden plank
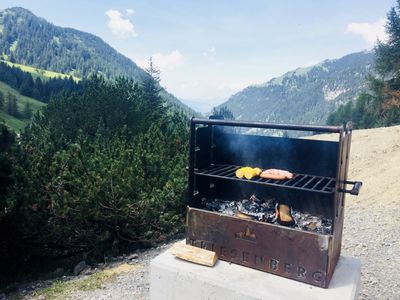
[194,254]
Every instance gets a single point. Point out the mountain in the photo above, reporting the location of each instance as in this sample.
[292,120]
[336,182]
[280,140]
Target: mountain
[305,95]
[32,41]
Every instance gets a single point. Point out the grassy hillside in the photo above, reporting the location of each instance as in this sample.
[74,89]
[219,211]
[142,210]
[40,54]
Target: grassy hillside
[12,122]
[36,72]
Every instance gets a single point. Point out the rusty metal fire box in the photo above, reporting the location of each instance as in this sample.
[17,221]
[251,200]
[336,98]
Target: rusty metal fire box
[219,147]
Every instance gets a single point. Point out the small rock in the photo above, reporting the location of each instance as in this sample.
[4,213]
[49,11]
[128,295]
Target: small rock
[79,267]
[87,271]
[101,266]
[133,256]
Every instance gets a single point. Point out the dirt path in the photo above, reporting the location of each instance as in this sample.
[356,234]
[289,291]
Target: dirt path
[372,220]
[371,229]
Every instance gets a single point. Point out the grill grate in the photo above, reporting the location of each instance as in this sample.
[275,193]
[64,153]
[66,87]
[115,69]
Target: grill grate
[302,182]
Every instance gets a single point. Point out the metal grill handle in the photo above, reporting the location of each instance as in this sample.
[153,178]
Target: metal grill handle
[356,187]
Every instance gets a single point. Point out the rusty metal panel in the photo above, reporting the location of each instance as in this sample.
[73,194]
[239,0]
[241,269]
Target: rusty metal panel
[302,256]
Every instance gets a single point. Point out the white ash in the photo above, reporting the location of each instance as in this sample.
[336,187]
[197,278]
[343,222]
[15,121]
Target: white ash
[309,222]
[264,210]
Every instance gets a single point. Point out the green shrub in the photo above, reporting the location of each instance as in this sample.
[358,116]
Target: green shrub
[94,174]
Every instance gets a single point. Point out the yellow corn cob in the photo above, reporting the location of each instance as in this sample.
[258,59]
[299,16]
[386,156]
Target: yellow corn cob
[249,173]
[240,173]
[258,171]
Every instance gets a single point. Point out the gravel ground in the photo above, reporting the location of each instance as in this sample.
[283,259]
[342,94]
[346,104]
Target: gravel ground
[132,285]
[372,219]
[371,228]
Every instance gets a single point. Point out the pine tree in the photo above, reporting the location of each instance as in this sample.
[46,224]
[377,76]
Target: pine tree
[1,100]
[388,54]
[106,181]
[380,106]
[12,107]
[223,111]
[151,91]
[27,84]
[7,139]
[28,110]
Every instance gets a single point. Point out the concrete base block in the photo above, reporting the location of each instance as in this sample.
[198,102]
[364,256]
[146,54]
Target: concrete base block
[175,279]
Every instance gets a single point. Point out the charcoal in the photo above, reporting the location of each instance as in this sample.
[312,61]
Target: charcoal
[264,210]
[308,222]
[221,206]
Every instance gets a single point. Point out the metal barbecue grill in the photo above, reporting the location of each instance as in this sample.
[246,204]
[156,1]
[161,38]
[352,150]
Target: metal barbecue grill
[317,188]
[319,184]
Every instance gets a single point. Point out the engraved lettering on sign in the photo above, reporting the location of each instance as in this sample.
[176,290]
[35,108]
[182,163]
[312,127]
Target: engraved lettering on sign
[208,246]
[273,264]
[197,243]
[317,276]
[247,235]
[258,260]
[245,257]
[203,244]
[222,251]
[301,272]
[233,253]
[263,262]
[287,268]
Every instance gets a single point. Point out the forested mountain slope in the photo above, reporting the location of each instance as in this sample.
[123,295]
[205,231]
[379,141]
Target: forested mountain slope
[379,104]
[32,41]
[306,95]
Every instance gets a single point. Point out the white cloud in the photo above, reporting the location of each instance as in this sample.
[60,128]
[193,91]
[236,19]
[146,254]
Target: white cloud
[168,61]
[130,11]
[370,32]
[120,26]
[210,52]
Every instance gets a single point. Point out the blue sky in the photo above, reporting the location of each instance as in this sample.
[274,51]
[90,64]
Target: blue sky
[208,50]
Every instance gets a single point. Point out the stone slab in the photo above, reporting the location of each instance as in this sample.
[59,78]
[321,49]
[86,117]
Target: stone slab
[175,279]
